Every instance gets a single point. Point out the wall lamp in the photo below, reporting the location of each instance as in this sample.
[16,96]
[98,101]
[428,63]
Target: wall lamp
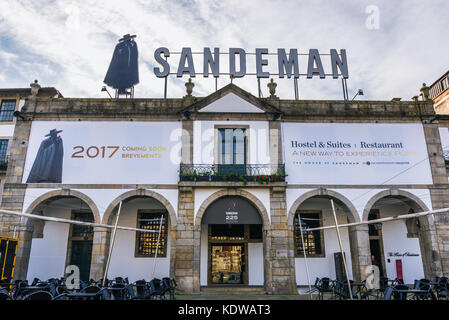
[18,114]
[359,93]
[106,89]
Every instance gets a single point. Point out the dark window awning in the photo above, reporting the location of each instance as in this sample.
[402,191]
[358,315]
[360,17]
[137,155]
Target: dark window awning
[231,209]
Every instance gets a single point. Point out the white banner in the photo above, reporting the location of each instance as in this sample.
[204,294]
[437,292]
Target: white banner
[355,153]
[99,152]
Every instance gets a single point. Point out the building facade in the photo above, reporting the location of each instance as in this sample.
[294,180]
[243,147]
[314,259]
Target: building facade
[12,100]
[228,179]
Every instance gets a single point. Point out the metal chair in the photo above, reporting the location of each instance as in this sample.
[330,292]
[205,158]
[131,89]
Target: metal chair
[323,286]
[157,290]
[423,284]
[142,289]
[170,285]
[39,295]
[400,295]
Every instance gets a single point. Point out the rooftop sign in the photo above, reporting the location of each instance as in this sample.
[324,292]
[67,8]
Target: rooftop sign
[288,64]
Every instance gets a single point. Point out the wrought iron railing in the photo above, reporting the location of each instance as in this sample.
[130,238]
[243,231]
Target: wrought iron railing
[3,162]
[263,173]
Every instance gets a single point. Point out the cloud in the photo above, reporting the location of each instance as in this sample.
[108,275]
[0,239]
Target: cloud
[69,44]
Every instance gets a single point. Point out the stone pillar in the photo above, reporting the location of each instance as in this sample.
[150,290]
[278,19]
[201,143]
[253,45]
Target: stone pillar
[187,257]
[13,196]
[360,251]
[275,142]
[99,253]
[281,253]
[187,142]
[435,234]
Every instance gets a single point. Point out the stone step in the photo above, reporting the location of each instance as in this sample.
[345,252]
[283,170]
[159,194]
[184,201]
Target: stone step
[233,290]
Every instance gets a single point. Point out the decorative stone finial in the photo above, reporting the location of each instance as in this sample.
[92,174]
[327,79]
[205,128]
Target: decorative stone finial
[272,87]
[35,86]
[425,92]
[189,87]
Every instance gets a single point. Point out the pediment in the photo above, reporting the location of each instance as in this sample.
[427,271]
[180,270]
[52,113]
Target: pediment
[232,99]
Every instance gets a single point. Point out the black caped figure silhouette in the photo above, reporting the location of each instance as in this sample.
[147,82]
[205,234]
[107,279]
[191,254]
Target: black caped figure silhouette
[123,72]
[47,166]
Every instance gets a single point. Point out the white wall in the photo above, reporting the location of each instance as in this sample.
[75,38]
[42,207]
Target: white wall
[48,255]
[204,254]
[203,139]
[255,264]
[324,267]
[255,260]
[6,130]
[123,262]
[394,235]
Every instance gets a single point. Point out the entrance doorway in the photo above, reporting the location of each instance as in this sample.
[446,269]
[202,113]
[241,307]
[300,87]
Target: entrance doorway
[227,263]
[375,242]
[228,248]
[80,244]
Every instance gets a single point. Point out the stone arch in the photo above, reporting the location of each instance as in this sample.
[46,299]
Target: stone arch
[140,193]
[392,193]
[232,192]
[353,217]
[39,203]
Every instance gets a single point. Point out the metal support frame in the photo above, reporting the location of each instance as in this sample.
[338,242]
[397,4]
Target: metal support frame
[342,251]
[112,244]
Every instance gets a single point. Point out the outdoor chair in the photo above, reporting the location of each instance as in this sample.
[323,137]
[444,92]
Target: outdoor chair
[118,291]
[400,295]
[35,281]
[39,295]
[142,289]
[4,295]
[343,292]
[423,284]
[19,288]
[170,285]
[442,290]
[323,286]
[366,294]
[157,290]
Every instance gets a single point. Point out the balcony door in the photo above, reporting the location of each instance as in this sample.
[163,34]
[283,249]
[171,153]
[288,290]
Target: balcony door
[232,150]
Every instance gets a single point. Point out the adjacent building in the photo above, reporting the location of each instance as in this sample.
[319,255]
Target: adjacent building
[229,178]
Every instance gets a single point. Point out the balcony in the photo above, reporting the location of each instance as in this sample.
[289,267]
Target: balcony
[3,163]
[260,173]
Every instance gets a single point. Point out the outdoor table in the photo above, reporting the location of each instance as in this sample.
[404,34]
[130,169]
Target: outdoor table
[413,291]
[83,295]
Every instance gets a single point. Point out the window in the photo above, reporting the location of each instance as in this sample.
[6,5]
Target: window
[313,240]
[3,150]
[146,242]
[7,108]
[231,146]
[444,84]
[80,231]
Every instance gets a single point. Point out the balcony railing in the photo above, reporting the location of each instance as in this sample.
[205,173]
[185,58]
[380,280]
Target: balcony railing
[262,173]
[3,163]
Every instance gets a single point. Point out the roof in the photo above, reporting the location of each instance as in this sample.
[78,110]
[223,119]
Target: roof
[43,92]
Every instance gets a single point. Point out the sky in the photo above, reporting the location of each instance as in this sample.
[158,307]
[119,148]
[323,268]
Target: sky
[392,46]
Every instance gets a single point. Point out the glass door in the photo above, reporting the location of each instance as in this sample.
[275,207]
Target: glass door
[231,150]
[227,263]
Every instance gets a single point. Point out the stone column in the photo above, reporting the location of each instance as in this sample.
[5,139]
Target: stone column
[281,254]
[435,234]
[360,251]
[99,252]
[187,264]
[13,197]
